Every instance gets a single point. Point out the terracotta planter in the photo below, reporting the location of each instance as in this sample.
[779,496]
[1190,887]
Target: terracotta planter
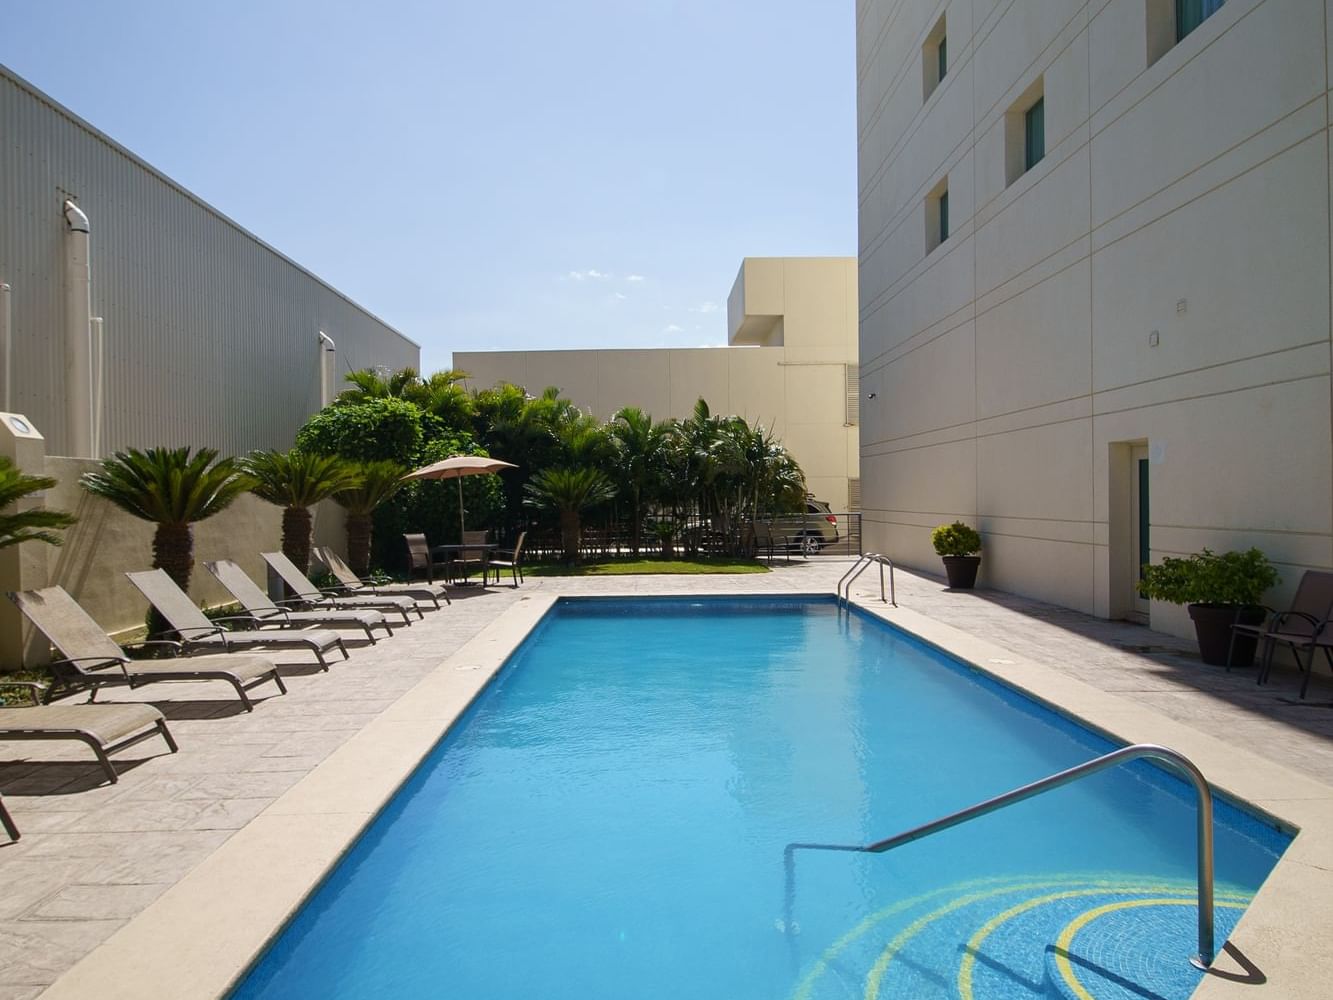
[961,571]
[1212,626]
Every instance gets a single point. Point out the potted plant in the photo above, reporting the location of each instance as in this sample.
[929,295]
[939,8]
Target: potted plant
[1220,591]
[958,544]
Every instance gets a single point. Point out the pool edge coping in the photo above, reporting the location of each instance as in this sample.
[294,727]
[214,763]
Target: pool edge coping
[201,936]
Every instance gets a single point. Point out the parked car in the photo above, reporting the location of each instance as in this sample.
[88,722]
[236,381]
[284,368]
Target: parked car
[817,529]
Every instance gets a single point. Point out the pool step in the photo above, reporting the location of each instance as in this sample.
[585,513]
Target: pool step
[1103,937]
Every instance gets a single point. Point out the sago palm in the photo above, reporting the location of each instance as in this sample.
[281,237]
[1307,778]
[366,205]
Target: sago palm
[379,481]
[172,489]
[570,492]
[36,525]
[296,481]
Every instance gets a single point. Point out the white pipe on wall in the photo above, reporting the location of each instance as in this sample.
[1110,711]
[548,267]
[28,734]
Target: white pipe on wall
[99,383]
[6,351]
[78,335]
[328,368]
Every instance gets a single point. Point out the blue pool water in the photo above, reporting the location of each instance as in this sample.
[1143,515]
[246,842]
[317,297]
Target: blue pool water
[608,821]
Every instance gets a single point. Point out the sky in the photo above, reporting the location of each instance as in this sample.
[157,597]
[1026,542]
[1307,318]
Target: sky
[486,176]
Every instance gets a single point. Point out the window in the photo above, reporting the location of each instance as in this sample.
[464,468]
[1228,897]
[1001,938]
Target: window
[1192,13]
[1025,131]
[1034,134]
[937,215]
[934,59]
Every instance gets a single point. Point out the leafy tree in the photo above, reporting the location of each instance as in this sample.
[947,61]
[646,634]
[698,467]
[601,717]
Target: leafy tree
[569,492]
[377,429]
[379,481]
[297,480]
[172,489]
[639,445]
[36,525]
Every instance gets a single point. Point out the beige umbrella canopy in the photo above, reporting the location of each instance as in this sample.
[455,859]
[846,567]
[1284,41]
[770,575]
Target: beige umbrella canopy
[456,467]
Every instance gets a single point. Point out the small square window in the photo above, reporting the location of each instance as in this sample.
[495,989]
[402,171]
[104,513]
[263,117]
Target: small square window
[937,215]
[1192,13]
[1034,134]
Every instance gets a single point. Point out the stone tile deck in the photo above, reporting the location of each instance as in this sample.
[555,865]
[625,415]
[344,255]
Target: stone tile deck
[92,856]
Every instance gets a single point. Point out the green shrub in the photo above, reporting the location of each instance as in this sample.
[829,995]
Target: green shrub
[1209,578]
[957,539]
[377,430]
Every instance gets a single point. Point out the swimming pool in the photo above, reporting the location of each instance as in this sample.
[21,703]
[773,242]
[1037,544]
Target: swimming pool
[608,819]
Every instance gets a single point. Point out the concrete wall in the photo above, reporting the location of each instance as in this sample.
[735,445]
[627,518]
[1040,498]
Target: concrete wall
[795,383]
[211,334]
[1161,277]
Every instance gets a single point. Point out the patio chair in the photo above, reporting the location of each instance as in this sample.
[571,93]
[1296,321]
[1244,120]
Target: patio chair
[465,559]
[104,728]
[92,660]
[768,541]
[299,584]
[514,563]
[7,821]
[192,628]
[267,614]
[419,559]
[350,583]
[1303,628]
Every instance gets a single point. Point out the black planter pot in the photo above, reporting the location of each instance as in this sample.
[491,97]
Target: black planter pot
[1212,625]
[961,571]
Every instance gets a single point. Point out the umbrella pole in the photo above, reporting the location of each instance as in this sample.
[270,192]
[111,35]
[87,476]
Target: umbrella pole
[460,510]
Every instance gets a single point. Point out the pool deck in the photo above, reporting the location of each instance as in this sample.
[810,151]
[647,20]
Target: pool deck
[167,883]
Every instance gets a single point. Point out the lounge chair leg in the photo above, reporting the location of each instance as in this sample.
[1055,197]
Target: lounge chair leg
[105,761]
[165,733]
[277,679]
[245,698]
[369,634]
[323,663]
[8,823]
[343,649]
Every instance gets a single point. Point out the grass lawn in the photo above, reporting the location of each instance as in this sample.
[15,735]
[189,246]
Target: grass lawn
[633,567]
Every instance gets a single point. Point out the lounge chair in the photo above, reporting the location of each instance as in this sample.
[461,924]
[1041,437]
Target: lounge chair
[92,660]
[191,627]
[7,822]
[514,563]
[267,614]
[104,728]
[1303,628]
[350,583]
[419,559]
[299,584]
[768,540]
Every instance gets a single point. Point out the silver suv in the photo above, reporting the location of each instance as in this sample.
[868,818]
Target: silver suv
[818,528]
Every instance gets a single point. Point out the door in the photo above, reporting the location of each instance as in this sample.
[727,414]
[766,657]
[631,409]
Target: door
[1140,520]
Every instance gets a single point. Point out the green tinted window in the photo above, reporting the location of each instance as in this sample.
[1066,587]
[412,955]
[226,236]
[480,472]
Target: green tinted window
[1034,129]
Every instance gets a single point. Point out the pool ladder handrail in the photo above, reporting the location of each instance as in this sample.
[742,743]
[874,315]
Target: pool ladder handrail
[1177,761]
[844,593]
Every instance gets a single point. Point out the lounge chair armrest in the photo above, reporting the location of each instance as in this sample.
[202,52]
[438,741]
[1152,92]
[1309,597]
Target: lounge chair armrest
[176,646]
[198,631]
[33,687]
[245,619]
[1282,616]
[105,661]
[295,602]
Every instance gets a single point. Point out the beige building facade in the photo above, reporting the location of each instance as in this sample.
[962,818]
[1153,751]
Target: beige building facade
[1094,286]
[790,363]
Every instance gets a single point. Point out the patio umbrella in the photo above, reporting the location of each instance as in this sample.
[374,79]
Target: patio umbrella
[456,467]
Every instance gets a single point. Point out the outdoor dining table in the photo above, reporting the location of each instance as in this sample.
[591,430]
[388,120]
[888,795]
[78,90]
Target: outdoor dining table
[441,553]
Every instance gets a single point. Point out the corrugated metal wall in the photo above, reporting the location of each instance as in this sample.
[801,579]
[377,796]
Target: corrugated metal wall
[210,334]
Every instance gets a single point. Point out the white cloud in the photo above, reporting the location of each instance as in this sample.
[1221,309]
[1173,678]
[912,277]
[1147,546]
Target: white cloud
[705,307]
[635,277]
[619,296]
[592,274]
[673,328]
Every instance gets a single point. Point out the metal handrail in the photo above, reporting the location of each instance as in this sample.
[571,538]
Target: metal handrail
[859,567]
[1168,756]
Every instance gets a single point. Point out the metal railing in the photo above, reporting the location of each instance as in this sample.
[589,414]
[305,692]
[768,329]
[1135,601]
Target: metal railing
[1177,761]
[844,588]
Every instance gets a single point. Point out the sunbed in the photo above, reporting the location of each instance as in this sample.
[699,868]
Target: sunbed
[92,660]
[268,614]
[299,584]
[104,728]
[352,584]
[191,627]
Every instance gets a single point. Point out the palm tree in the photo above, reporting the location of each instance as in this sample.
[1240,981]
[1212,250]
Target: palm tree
[379,481]
[367,384]
[639,444]
[173,489]
[569,491]
[296,481]
[37,525]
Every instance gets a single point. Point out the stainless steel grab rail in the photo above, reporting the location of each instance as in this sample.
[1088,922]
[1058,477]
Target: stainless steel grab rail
[1177,761]
[860,566]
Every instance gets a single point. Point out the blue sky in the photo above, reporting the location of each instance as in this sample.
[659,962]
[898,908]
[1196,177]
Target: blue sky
[486,176]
